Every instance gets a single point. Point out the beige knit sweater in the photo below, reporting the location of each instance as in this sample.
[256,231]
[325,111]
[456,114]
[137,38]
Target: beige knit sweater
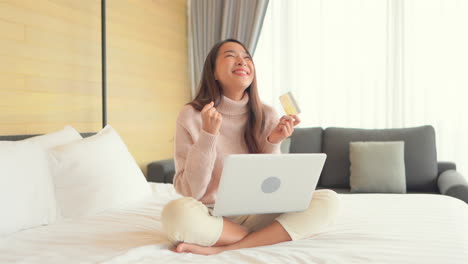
[199,155]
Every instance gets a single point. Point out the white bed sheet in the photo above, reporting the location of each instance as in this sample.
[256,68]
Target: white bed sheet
[371,228]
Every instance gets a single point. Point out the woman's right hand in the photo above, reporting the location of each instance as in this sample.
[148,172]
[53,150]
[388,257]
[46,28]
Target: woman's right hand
[211,119]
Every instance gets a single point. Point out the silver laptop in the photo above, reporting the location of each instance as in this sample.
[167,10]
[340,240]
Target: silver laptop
[267,183]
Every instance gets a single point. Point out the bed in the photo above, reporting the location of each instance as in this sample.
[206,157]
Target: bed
[371,228]
[85,200]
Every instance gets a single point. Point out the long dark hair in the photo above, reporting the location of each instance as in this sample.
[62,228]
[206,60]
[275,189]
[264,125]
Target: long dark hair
[210,90]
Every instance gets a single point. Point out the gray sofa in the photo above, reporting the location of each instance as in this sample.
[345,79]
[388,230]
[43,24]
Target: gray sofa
[424,174]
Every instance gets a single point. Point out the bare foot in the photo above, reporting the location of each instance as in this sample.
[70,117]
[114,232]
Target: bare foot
[174,249]
[196,249]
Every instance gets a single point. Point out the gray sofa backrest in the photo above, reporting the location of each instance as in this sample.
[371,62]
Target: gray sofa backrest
[306,140]
[420,152]
[21,137]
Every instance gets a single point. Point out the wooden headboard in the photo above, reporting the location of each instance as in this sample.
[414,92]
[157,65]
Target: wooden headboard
[21,137]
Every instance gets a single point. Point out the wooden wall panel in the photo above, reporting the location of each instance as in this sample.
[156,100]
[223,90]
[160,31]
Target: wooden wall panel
[50,69]
[148,81]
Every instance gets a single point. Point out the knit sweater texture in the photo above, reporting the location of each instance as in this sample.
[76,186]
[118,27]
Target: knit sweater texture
[199,155]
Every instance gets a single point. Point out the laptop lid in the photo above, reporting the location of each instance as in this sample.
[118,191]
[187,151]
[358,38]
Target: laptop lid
[267,183]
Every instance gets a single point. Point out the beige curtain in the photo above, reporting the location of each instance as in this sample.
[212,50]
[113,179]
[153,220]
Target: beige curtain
[371,64]
[210,21]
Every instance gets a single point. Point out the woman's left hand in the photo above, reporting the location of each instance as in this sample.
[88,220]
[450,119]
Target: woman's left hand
[284,128]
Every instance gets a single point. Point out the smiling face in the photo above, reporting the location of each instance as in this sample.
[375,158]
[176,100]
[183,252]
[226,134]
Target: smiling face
[234,70]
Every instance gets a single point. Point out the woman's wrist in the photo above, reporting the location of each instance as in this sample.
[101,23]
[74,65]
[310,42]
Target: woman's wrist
[207,141]
[211,132]
[273,141]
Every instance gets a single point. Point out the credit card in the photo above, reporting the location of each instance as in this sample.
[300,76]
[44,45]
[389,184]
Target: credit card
[289,104]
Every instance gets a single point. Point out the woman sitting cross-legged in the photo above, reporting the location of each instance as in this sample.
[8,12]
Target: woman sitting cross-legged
[227,117]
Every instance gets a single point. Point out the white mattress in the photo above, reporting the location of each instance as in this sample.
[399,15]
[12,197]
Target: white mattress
[371,228]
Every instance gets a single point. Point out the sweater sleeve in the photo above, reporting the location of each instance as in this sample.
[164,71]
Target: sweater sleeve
[271,120]
[194,162]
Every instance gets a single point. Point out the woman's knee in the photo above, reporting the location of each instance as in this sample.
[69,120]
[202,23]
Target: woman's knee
[328,200]
[328,195]
[321,213]
[188,220]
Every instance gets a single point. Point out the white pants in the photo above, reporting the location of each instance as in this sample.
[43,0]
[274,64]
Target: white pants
[188,220]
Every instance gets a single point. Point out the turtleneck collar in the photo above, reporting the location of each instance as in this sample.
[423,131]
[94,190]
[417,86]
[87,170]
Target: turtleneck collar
[232,107]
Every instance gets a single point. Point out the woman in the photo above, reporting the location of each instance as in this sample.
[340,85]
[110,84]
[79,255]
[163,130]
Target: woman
[227,117]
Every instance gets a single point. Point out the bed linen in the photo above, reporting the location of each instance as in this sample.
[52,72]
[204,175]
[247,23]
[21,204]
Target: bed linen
[371,228]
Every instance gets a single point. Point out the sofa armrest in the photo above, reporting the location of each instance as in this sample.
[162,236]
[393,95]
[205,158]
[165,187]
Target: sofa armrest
[452,183]
[445,165]
[161,171]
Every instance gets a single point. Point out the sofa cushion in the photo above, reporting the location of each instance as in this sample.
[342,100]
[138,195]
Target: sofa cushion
[377,167]
[306,140]
[420,155]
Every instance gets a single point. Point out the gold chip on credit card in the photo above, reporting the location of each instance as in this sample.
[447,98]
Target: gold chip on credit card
[289,104]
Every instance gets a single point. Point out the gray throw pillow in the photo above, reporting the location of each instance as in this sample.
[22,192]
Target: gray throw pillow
[377,167]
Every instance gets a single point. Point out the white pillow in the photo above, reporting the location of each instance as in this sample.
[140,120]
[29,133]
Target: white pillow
[95,174]
[26,191]
[64,136]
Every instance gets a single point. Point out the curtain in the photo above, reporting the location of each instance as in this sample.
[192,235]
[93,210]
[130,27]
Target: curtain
[210,21]
[371,64]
